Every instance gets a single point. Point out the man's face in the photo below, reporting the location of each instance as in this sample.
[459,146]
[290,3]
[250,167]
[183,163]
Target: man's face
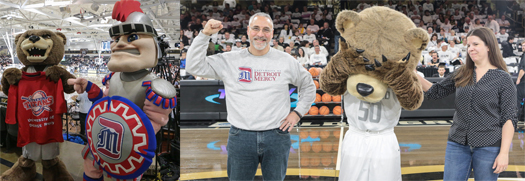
[243,39]
[312,21]
[502,31]
[317,49]
[288,50]
[429,30]
[444,48]
[239,44]
[308,31]
[315,42]
[441,71]
[227,35]
[434,56]
[132,52]
[523,47]
[490,18]
[275,43]
[325,25]
[228,48]
[183,56]
[260,32]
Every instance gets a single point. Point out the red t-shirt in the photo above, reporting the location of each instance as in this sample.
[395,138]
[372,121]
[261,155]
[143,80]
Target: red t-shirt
[37,104]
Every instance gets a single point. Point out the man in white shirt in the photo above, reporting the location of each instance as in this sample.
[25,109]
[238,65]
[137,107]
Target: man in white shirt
[502,35]
[467,23]
[84,104]
[503,22]
[322,48]
[428,6]
[313,27]
[238,45]
[277,46]
[453,49]
[457,16]
[309,36]
[226,39]
[318,59]
[445,56]
[492,24]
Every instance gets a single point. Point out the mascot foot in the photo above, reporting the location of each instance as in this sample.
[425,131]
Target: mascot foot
[23,170]
[55,170]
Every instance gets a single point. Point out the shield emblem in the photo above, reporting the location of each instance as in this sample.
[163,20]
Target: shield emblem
[120,137]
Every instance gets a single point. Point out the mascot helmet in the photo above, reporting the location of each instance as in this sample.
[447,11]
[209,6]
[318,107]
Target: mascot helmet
[133,21]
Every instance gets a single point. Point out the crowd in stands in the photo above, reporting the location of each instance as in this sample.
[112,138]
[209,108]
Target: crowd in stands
[305,32]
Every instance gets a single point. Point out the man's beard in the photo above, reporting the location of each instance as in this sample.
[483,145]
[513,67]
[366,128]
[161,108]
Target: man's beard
[256,38]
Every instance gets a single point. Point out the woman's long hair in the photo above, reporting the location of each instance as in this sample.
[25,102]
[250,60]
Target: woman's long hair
[464,75]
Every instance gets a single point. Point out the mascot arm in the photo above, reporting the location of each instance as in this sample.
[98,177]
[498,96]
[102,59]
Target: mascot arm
[305,88]
[94,92]
[409,93]
[11,76]
[11,112]
[161,98]
[333,77]
[55,73]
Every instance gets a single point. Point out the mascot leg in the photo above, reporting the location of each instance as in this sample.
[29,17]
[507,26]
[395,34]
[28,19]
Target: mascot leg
[23,170]
[52,167]
[91,173]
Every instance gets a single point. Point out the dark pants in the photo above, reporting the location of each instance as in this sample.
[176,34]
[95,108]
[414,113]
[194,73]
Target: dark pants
[246,149]
[521,96]
[82,123]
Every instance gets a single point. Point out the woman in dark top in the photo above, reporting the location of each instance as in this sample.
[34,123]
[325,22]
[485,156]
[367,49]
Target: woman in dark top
[485,118]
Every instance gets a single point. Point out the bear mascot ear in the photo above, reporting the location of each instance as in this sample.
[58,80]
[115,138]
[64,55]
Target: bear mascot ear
[62,37]
[346,20]
[18,37]
[417,38]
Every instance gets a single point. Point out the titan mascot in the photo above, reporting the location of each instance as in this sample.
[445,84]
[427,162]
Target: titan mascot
[375,70]
[121,126]
[36,102]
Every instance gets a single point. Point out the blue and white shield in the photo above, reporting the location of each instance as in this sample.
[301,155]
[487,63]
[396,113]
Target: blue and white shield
[120,137]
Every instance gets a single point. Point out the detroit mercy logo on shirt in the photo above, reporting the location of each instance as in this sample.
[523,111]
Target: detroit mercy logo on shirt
[258,75]
[38,102]
[110,138]
[245,75]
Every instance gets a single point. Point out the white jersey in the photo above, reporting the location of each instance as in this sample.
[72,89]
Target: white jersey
[372,116]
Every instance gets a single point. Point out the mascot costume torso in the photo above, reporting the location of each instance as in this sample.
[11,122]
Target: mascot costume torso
[375,71]
[122,122]
[36,102]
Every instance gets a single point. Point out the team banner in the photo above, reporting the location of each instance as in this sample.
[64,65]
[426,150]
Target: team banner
[120,137]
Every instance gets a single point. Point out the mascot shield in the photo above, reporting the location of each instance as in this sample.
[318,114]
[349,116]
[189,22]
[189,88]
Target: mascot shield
[120,137]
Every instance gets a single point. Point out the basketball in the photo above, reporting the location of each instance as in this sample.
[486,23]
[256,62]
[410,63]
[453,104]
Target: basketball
[305,147]
[324,110]
[335,147]
[305,161]
[327,147]
[327,98]
[326,160]
[314,71]
[313,110]
[303,134]
[336,98]
[337,133]
[337,110]
[314,133]
[317,146]
[315,161]
[316,84]
[317,97]
[325,134]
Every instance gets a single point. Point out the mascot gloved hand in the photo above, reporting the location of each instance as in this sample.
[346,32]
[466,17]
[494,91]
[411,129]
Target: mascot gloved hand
[374,70]
[121,127]
[36,102]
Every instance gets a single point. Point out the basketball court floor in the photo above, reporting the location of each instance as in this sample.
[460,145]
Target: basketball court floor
[315,151]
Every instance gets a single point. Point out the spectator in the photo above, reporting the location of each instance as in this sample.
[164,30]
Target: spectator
[313,27]
[309,36]
[228,48]
[492,24]
[244,42]
[441,72]
[476,24]
[503,23]
[502,36]
[435,60]
[427,6]
[277,46]
[445,56]
[315,43]
[327,33]
[288,50]
[520,81]
[317,59]
[238,45]
[83,104]
[302,58]
[506,47]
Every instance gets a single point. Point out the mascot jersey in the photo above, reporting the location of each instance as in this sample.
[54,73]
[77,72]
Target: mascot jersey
[37,104]
[373,116]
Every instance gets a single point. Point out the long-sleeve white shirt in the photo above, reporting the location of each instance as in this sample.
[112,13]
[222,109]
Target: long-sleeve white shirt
[257,87]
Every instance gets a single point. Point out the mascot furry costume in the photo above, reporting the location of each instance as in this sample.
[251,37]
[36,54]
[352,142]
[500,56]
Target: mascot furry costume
[36,102]
[121,126]
[374,69]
